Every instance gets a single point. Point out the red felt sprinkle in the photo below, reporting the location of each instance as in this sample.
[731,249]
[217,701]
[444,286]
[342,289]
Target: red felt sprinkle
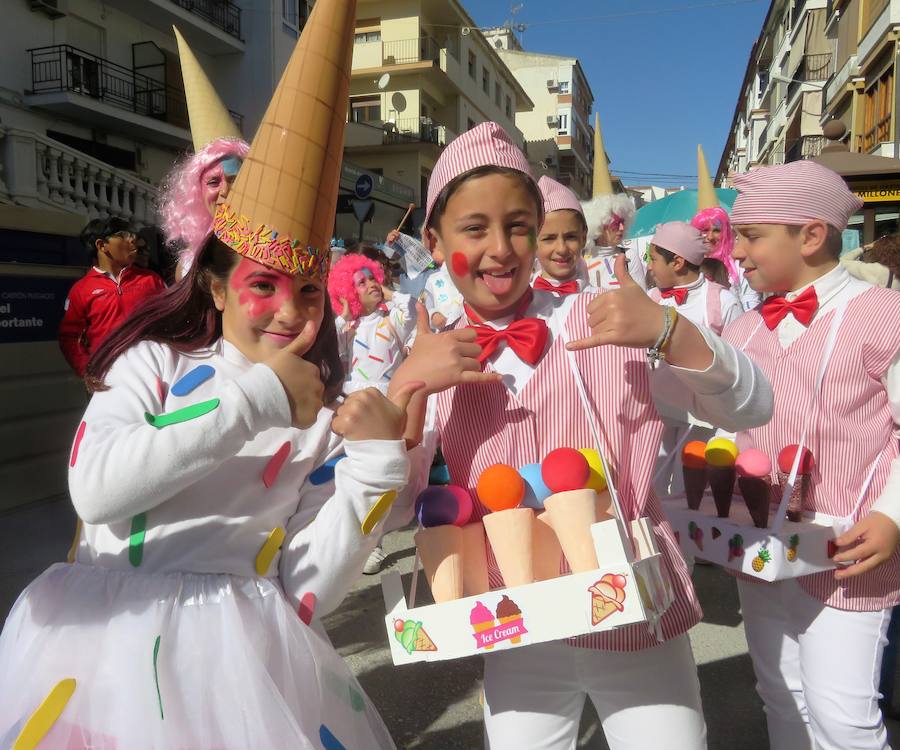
[80,434]
[307,607]
[273,468]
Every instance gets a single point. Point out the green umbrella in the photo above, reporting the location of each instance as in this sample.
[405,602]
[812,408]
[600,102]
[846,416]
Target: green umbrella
[680,206]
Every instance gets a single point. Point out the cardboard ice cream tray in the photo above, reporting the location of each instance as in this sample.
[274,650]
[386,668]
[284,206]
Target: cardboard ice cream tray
[521,616]
[796,549]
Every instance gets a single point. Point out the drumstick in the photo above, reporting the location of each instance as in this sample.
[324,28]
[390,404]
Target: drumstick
[409,210]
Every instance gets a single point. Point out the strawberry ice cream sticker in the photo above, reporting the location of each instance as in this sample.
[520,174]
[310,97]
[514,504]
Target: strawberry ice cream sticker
[488,629]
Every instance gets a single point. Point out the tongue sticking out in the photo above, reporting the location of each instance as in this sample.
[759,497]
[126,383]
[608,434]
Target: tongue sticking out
[498,285]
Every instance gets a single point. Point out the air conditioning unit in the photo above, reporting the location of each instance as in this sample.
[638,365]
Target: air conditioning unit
[552,84]
[552,121]
[49,7]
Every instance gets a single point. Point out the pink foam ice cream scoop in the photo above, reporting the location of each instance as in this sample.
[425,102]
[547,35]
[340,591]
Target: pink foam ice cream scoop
[480,614]
[801,486]
[753,463]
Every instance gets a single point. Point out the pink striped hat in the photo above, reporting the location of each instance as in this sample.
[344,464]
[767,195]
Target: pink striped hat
[681,238]
[557,197]
[793,193]
[486,144]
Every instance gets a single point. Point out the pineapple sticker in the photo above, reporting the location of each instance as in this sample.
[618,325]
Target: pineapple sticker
[759,562]
[793,543]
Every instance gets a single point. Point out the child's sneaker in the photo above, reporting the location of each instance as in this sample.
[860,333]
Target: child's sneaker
[375,561]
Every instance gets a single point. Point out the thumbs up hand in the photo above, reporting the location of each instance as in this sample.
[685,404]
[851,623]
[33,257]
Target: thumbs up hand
[301,380]
[624,317]
[368,415]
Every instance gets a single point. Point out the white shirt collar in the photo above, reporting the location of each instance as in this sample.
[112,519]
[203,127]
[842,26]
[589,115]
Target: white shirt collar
[826,286]
[694,285]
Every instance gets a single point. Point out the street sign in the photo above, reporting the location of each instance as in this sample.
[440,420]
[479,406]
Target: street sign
[363,210]
[364,186]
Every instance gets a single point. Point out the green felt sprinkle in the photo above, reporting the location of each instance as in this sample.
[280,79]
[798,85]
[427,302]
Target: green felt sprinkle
[156,675]
[136,542]
[181,415]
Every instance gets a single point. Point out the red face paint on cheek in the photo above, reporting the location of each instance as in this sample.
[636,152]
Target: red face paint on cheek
[459,264]
[254,301]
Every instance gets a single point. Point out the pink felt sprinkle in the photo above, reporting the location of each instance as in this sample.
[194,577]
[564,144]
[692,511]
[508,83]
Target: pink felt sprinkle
[273,468]
[80,434]
[307,607]
[161,391]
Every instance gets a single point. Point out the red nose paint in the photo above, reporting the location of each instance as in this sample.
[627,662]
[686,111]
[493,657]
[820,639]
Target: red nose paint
[459,264]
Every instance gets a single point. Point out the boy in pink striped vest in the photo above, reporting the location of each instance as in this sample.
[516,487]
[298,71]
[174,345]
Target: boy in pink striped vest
[830,345]
[505,385]
[676,252]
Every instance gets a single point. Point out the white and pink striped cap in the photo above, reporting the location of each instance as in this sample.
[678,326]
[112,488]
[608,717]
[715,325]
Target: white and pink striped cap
[557,197]
[486,144]
[681,238]
[793,193]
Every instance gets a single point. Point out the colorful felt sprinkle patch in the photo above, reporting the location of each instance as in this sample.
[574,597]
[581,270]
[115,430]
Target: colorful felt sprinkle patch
[136,541]
[328,740]
[273,468]
[78,436]
[307,607]
[268,551]
[42,720]
[162,390]
[182,415]
[325,473]
[191,380]
[156,674]
[378,511]
[73,549]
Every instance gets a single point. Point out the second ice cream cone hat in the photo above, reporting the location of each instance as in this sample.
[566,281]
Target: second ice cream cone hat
[605,204]
[280,211]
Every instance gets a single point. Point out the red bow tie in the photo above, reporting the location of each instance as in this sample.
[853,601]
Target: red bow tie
[567,287]
[680,295]
[803,308]
[526,337]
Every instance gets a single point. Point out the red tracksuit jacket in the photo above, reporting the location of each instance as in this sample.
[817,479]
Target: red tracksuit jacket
[96,305]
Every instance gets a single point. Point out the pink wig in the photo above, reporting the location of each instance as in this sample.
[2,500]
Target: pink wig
[185,216]
[341,283]
[722,252]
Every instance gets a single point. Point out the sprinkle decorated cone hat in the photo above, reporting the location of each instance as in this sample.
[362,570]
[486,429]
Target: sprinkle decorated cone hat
[208,116]
[706,191]
[602,179]
[280,210]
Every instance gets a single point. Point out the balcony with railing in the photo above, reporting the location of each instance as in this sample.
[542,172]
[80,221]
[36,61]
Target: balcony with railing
[812,68]
[221,13]
[878,133]
[407,131]
[805,147]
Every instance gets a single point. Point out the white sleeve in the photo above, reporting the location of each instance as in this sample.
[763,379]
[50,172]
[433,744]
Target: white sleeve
[428,295]
[122,465]
[889,500]
[732,393]
[404,320]
[749,297]
[731,306]
[636,266]
[339,522]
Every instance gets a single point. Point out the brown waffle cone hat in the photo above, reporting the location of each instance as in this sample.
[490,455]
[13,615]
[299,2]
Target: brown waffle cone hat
[280,211]
[209,118]
[602,180]
[706,191]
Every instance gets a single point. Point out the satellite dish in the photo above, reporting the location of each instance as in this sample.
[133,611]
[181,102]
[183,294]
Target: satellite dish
[383,81]
[466,31]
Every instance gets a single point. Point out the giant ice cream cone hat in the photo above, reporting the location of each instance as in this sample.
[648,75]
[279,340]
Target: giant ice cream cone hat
[602,180]
[280,211]
[208,116]
[706,191]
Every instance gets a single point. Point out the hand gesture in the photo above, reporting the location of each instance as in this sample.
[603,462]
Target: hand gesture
[625,316]
[369,415]
[392,237]
[301,380]
[868,544]
[345,309]
[441,360]
[438,321]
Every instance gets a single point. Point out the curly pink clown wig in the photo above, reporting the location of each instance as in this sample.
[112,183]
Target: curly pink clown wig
[185,216]
[341,283]
[710,217]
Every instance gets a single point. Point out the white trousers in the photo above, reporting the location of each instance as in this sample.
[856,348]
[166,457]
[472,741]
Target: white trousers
[817,668]
[533,697]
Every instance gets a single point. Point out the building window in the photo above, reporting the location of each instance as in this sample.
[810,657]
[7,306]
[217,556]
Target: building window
[365,109]
[563,123]
[471,124]
[362,37]
[486,81]
[508,107]
[497,94]
[290,12]
[563,87]
[472,65]
[877,121]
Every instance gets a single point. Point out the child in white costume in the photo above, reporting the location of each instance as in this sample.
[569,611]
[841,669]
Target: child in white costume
[215,532]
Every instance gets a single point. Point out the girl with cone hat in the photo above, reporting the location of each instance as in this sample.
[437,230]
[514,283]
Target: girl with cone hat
[609,215]
[197,183]
[218,524]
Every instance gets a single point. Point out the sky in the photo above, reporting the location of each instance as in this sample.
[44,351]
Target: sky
[665,73]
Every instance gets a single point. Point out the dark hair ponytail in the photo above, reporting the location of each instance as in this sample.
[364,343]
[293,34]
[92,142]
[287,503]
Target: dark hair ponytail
[185,317]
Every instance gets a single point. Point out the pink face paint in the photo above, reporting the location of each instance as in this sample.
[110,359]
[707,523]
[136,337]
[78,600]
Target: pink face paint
[250,273]
[459,264]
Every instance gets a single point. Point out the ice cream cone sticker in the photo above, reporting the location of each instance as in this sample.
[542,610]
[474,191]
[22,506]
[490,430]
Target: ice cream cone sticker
[607,596]
[412,636]
[509,625]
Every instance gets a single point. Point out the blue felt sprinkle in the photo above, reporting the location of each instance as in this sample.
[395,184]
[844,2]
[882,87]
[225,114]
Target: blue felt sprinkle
[192,380]
[328,740]
[325,473]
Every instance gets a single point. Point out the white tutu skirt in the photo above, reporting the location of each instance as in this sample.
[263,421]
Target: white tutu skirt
[176,662]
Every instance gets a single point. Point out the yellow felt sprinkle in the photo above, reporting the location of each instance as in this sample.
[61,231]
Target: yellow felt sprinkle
[42,720]
[378,511]
[268,551]
[73,549]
